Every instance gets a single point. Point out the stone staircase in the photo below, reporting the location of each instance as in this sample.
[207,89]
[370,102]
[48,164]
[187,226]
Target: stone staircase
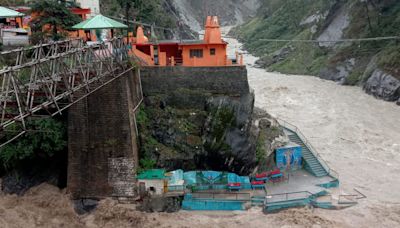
[311,163]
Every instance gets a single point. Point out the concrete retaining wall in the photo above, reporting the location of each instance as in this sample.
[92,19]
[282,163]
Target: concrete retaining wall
[192,204]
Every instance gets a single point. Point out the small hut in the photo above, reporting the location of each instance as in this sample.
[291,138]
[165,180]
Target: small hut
[154,181]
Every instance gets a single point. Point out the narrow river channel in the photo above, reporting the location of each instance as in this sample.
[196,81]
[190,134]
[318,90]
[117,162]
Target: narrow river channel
[358,135]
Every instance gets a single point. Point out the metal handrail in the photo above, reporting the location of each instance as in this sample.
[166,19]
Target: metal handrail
[220,195]
[295,129]
[269,198]
[349,199]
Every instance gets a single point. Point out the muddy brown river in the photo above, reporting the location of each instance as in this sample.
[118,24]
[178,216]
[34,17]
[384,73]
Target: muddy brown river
[356,134]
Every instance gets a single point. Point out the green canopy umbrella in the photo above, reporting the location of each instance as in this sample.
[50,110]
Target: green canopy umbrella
[100,22]
[9,13]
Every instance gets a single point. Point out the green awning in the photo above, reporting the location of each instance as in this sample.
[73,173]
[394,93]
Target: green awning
[99,22]
[9,13]
[152,174]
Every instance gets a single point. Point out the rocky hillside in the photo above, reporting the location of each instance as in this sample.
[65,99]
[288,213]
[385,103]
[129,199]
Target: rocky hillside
[230,12]
[192,125]
[162,13]
[374,65]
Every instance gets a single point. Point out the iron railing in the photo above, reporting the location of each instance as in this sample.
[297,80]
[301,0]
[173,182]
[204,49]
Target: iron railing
[295,129]
[283,197]
[25,55]
[222,196]
[50,83]
[176,188]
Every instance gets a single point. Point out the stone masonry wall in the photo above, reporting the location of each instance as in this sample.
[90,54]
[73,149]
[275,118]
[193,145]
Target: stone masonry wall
[103,154]
[230,81]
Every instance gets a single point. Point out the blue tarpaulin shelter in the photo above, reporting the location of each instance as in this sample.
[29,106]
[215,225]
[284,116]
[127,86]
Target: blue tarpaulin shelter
[214,178]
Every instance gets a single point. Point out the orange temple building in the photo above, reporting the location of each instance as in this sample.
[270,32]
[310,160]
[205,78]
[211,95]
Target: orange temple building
[211,51]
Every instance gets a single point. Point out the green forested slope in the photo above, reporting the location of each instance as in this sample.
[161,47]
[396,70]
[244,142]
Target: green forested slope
[150,11]
[309,19]
[160,12]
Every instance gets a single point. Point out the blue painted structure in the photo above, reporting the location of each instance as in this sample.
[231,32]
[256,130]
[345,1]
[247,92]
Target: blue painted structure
[237,188]
[213,180]
[192,204]
[331,184]
[289,157]
[258,186]
[265,179]
[175,177]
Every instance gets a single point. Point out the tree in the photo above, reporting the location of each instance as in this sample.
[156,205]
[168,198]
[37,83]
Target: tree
[55,15]
[11,2]
[48,137]
[127,5]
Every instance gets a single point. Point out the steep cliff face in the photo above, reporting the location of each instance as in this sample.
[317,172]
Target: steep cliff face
[373,65]
[230,12]
[163,13]
[203,118]
[185,17]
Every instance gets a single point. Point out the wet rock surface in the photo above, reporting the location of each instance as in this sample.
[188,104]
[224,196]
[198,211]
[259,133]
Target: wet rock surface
[223,135]
[229,140]
[230,12]
[340,72]
[276,57]
[208,127]
[30,175]
[83,206]
[384,86]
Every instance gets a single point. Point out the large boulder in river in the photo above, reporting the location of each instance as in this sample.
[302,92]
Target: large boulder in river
[383,85]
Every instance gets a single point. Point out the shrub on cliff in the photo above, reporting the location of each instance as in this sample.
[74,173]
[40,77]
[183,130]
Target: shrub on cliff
[47,137]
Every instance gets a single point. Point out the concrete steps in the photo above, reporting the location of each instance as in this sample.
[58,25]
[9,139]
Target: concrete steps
[311,163]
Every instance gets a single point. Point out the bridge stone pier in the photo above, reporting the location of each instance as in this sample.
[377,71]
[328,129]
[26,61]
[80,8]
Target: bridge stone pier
[102,140]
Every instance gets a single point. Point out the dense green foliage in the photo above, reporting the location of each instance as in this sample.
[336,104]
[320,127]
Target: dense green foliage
[51,13]
[281,19]
[45,138]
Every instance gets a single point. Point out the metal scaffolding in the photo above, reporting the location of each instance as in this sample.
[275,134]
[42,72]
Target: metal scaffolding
[22,56]
[45,79]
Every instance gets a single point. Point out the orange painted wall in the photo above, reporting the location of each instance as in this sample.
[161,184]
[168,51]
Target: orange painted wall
[82,13]
[219,59]
[175,53]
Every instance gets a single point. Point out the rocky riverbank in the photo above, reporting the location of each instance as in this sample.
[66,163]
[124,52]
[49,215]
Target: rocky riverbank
[354,132]
[373,64]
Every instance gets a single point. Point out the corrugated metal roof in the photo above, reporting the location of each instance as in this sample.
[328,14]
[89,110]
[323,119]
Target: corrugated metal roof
[152,174]
[7,13]
[100,22]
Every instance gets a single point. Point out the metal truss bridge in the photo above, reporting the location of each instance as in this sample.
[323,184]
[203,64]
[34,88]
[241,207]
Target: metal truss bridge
[46,79]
